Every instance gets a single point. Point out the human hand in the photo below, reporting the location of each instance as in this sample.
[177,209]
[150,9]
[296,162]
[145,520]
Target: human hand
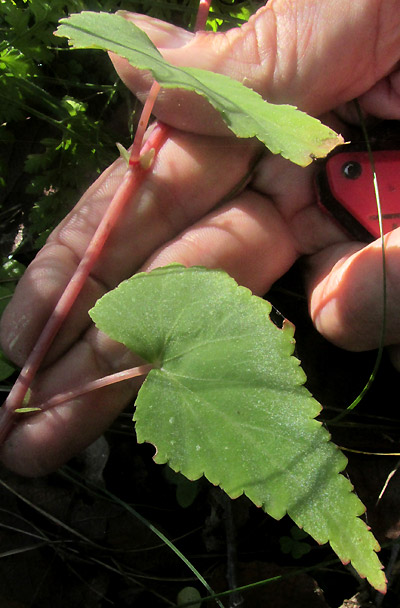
[307,53]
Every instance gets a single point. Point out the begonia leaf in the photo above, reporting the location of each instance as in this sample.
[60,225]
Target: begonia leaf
[226,399]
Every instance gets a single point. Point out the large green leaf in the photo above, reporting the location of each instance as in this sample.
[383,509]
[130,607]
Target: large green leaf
[226,399]
[282,128]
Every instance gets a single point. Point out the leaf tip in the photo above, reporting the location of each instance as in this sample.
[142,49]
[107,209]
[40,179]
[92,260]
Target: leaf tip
[289,328]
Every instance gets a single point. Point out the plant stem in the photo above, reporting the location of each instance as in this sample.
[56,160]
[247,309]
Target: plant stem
[133,177]
[381,347]
[202,15]
[143,122]
[94,385]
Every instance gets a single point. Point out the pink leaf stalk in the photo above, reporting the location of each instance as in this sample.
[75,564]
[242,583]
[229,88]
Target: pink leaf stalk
[202,15]
[126,374]
[136,150]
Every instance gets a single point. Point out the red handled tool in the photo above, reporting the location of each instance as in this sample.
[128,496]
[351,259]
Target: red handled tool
[346,190]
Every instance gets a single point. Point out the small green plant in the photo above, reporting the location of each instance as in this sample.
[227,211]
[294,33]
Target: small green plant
[294,544]
[224,396]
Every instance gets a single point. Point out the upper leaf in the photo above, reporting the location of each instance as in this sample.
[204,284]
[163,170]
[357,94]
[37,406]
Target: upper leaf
[227,400]
[282,128]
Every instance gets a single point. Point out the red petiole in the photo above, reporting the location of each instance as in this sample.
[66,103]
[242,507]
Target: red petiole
[94,385]
[202,15]
[140,161]
[136,150]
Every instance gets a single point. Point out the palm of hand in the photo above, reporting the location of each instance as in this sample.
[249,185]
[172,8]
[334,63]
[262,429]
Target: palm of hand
[255,237]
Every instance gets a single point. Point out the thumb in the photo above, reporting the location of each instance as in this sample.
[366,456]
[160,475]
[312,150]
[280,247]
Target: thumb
[312,54]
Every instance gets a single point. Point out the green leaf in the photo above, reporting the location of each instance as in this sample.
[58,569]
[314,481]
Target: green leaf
[227,401]
[282,128]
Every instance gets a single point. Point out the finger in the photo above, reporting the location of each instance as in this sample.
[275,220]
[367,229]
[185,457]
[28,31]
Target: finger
[308,53]
[383,99]
[248,238]
[293,191]
[345,284]
[184,184]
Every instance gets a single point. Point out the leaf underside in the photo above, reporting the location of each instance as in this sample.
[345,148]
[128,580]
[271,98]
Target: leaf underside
[226,400]
[282,128]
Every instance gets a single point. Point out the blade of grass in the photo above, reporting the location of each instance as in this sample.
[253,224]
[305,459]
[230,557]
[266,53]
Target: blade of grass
[68,474]
[379,355]
[264,582]
[130,577]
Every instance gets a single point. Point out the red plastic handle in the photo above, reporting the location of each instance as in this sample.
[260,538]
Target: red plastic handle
[346,190]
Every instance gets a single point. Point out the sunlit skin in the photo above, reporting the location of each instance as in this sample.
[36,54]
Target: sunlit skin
[315,54]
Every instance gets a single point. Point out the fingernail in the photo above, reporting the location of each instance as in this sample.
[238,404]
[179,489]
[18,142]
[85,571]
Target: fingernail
[163,35]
